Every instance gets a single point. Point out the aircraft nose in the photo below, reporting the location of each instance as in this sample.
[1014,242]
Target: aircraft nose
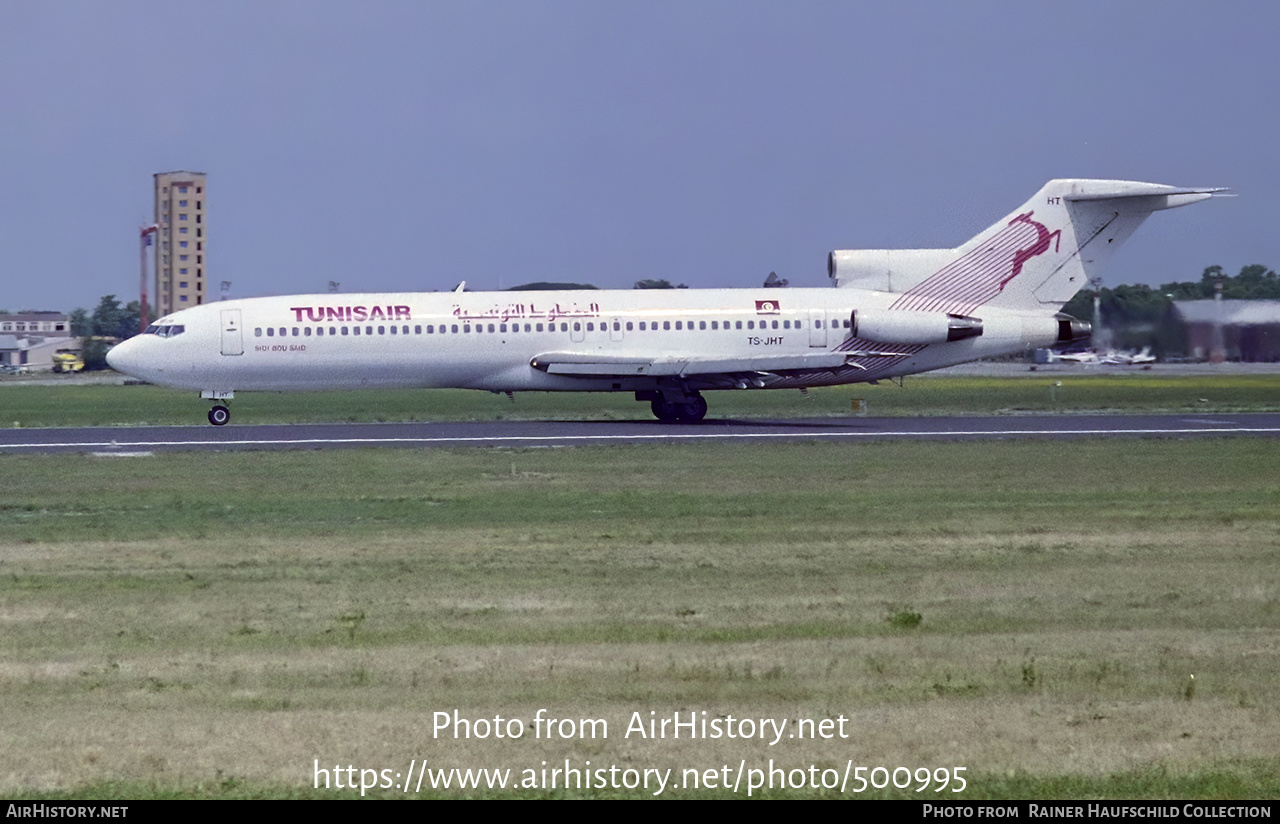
[123,357]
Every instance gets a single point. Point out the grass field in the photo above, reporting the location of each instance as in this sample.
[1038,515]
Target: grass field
[1074,392]
[212,624]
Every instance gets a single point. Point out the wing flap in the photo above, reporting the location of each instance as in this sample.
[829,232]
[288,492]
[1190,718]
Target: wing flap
[683,366]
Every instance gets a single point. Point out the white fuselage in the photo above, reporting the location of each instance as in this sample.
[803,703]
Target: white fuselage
[895,312]
[490,340]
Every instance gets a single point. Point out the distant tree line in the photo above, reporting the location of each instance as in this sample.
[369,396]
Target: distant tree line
[1137,315]
[550,286]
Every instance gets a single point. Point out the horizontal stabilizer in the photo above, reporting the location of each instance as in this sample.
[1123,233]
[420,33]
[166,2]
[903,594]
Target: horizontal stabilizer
[1173,196]
[1134,189]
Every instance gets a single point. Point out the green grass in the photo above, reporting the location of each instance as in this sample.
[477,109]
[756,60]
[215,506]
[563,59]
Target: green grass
[708,494]
[106,405]
[206,625]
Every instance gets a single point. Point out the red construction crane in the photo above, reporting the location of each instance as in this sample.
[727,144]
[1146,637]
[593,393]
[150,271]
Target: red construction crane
[144,239]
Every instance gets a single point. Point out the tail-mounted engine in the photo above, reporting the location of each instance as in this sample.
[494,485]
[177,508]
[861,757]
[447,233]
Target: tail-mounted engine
[900,326]
[1071,330]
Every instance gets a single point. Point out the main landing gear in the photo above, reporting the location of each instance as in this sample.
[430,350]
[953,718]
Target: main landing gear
[219,415]
[691,410]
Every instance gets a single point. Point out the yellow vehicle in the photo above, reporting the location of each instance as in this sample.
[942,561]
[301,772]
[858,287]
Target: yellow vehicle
[68,360]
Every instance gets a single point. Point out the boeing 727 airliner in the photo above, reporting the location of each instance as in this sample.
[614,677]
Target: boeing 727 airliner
[892,313]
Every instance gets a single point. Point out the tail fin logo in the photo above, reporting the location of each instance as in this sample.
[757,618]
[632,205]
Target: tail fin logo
[982,273]
[1043,237]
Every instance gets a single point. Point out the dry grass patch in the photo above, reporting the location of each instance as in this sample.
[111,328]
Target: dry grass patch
[1005,616]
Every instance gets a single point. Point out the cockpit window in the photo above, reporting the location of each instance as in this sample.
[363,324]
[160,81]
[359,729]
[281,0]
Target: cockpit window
[166,331]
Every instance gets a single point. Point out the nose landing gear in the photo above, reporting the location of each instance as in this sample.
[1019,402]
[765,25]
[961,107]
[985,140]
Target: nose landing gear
[219,414]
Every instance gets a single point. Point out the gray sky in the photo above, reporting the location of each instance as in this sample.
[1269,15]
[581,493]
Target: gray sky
[409,145]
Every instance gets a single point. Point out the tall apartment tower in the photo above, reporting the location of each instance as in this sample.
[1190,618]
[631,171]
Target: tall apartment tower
[181,242]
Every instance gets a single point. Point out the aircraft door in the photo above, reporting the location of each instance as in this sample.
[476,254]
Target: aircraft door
[817,328]
[576,333]
[232,341]
[615,330]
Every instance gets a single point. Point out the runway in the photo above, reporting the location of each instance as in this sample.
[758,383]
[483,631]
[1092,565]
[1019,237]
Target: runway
[151,439]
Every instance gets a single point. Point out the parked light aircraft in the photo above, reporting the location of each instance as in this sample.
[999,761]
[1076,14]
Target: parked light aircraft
[893,312]
[1129,358]
[1111,358]
[1087,357]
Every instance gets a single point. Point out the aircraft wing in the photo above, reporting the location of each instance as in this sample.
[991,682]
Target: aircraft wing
[683,366]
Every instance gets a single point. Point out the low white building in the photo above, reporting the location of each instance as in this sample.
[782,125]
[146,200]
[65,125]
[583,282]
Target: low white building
[31,339]
[1249,329]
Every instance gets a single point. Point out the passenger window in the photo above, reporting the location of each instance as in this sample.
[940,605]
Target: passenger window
[271,332]
[775,324]
[751,324]
[591,327]
[368,330]
[257,332]
[306,331]
[702,324]
[628,326]
[617,327]
[666,324]
[539,327]
[295,331]
[738,324]
[319,331]
[577,327]
[344,330]
[846,324]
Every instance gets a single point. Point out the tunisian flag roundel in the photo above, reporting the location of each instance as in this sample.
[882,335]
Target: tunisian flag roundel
[767,307]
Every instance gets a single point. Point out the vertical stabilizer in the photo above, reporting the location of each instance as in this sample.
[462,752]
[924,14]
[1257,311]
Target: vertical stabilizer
[1037,257]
